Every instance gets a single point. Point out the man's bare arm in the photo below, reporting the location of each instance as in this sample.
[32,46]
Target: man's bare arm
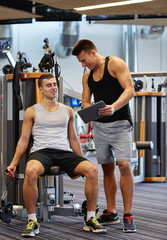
[72,136]
[86,94]
[119,70]
[23,142]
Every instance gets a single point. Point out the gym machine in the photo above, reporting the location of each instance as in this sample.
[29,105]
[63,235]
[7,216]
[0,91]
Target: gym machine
[28,83]
[6,208]
[150,125]
[32,96]
[5,48]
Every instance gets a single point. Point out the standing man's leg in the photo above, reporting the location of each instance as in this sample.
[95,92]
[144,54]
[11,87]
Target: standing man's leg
[127,186]
[106,158]
[109,215]
[123,153]
[110,186]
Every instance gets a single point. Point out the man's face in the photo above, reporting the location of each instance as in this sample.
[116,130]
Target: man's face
[49,88]
[87,59]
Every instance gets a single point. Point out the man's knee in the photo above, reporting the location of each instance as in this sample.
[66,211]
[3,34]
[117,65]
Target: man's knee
[108,168]
[124,167]
[92,171]
[31,173]
[34,169]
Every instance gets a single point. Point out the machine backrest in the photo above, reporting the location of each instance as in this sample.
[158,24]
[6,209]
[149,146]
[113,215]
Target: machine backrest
[38,93]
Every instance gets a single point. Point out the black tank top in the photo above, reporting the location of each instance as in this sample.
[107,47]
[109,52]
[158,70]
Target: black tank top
[109,89]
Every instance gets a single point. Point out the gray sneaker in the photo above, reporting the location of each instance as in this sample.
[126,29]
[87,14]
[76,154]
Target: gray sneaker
[128,224]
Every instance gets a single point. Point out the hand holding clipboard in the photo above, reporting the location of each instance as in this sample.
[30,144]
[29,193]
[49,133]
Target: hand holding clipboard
[90,113]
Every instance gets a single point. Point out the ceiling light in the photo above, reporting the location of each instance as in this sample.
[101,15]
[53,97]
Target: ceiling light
[115,4]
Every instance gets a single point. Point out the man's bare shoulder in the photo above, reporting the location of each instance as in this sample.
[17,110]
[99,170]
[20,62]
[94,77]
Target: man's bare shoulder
[70,110]
[30,112]
[86,75]
[116,64]
[115,60]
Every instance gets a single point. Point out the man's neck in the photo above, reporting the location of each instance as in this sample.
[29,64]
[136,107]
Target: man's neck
[49,103]
[100,63]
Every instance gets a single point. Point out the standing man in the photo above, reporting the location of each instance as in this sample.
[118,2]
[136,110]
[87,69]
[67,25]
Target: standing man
[55,142]
[109,79]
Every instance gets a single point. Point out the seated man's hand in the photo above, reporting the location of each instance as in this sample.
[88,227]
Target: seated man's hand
[10,171]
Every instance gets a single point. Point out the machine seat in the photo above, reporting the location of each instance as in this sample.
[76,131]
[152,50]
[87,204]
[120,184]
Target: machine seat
[55,170]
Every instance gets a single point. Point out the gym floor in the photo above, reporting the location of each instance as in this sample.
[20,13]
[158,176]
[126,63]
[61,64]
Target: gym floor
[149,210]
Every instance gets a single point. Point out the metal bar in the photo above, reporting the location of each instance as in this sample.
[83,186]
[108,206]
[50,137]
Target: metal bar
[72,93]
[61,190]
[10,58]
[4,149]
[62,211]
[166,138]
[3,131]
[148,74]
[60,97]
[57,190]
[60,177]
[1,96]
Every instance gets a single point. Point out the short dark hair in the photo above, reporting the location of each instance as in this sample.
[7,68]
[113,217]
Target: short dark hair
[44,76]
[81,45]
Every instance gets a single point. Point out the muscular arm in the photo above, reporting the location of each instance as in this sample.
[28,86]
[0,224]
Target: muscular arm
[119,70]
[86,94]
[23,140]
[73,139]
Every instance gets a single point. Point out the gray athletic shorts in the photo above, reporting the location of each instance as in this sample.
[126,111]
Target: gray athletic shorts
[113,141]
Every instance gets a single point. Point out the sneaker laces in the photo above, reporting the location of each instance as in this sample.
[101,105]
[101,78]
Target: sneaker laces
[30,225]
[105,213]
[94,220]
[129,218]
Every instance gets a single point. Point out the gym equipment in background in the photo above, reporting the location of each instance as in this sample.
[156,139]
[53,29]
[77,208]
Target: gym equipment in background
[138,85]
[6,211]
[163,85]
[150,125]
[49,61]
[5,46]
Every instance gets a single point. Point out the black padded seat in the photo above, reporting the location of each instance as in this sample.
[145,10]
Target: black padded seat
[55,170]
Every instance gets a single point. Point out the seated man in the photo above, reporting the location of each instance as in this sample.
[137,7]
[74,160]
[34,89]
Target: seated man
[54,143]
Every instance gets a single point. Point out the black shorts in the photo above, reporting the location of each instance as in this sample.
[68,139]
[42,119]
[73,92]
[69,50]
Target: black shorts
[67,160]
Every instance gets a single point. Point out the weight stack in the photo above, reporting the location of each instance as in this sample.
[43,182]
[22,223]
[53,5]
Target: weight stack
[155,131]
[27,84]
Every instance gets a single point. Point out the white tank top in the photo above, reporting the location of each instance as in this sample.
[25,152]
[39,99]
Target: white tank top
[50,128]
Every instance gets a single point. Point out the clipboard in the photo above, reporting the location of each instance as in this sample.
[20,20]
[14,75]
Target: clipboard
[90,113]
